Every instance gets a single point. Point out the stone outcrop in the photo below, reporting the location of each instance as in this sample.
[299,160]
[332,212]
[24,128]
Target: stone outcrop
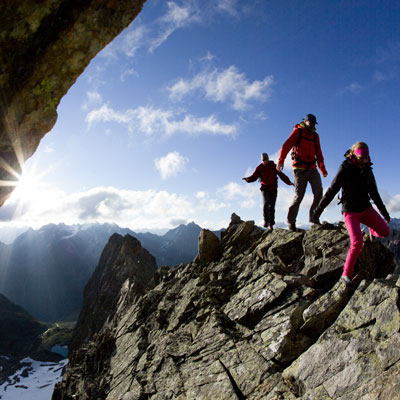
[267,320]
[124,270]
[44,47]
[209,247]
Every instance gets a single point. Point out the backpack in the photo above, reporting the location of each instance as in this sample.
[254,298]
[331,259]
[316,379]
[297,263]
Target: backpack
[294,154]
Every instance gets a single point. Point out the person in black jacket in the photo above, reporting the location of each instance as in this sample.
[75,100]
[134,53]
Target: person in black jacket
[357,181]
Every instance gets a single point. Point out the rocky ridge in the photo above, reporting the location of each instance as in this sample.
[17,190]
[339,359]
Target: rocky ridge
[267,318]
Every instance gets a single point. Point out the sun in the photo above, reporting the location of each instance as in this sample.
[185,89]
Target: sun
[31,187]
[27,188]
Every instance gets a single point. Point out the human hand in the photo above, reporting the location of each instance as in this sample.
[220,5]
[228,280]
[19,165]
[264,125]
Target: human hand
[246,179]
[325,174]
[279,167]
[291,184]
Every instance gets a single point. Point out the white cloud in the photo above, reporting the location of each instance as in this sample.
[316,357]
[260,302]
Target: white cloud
[223,86]
[177,17]
[93,98]
[151,120]
[394,204]
[134,39]
[246,195]
[353,88]
[127,73]
[205,202]
[171,164]
[107,114]
[228,6]
[135,209]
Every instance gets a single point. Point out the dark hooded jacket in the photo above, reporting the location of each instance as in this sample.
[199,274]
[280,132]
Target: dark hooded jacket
[358,189]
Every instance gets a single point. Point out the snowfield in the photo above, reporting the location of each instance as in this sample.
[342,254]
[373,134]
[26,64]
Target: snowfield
[34,381]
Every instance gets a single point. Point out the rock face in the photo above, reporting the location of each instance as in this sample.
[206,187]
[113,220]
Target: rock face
[124,270]
[44,47]
[209,247]
[267,320]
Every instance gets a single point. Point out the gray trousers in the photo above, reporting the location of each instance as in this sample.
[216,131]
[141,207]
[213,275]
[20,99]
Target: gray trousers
[301,178]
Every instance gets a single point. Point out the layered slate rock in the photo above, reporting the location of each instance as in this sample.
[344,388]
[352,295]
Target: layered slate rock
[267,320]
[44,47]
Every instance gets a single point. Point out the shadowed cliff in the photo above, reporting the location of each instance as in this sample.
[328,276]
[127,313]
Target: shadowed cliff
[44,47]
[265,317]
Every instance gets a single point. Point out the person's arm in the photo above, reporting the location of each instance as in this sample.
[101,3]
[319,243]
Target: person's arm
[285,178]
[331,192]
[320,158]
[375,196]
[256,174]
[287,146]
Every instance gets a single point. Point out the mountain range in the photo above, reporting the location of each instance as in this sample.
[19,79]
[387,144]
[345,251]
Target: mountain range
[45,271]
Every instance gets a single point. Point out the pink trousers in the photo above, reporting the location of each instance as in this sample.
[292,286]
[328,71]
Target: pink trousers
[377,226]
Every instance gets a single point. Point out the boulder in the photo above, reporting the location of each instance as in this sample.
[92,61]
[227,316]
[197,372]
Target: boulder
[209,247]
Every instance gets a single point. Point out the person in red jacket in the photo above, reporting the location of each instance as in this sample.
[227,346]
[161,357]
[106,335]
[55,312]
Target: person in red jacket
[306,155]
[268,175]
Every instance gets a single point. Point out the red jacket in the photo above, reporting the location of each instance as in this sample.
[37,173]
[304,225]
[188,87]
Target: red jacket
[307,150]
[269,176]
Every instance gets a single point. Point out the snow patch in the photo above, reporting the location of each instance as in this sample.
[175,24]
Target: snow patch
[35,380]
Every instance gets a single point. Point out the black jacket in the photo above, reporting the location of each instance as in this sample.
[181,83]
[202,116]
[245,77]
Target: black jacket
[358,188]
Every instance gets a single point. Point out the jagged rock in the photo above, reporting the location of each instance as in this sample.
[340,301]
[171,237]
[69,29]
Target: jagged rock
[251,326]
[282,248]
[44,47]
[325,250]
[357,357]
[209,247]
[124,270]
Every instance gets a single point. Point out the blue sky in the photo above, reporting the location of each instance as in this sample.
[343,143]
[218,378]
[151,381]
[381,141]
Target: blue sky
[164,123]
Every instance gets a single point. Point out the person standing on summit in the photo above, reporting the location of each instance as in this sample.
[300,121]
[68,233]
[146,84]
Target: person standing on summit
[306,155]
[267,173]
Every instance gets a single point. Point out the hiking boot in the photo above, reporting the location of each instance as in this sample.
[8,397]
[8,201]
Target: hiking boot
[315,221]
[292,227]
[346,280]
[269,227]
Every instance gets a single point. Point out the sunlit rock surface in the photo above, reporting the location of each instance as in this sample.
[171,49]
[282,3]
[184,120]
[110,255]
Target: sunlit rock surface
[268,319]
[44,47]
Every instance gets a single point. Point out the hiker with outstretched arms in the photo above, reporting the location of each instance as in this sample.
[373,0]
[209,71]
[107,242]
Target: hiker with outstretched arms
[306,156]
[267,173]
[357,181]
